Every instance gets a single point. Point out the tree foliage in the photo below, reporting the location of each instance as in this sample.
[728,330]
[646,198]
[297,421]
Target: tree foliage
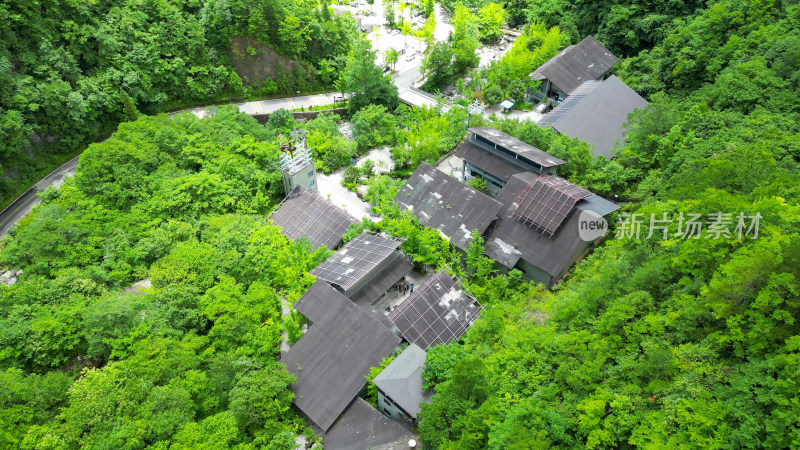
[656,343]
[72,71]
[364,82]
[192,359]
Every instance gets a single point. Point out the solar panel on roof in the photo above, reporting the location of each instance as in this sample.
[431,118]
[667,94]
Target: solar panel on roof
[349,265]
[306,214]
[436,313]
[546,202]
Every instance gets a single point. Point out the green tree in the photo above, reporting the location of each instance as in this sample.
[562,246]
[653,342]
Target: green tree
[493,94]
[428,7]
[516,91]
[464,39]
[491,19]
[438,65]
[389,13]
[260,397]
[392,56]
[373,126]
[364,82]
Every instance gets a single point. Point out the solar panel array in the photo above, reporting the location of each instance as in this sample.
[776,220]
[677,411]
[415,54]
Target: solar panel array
[436,313]
[306,214]
[349,265]
[566,106]
[546,202]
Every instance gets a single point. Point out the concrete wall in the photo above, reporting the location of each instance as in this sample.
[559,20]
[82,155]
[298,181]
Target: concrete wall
[306,177]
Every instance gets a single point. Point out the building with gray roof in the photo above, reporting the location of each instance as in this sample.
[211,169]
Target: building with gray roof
[564,73]
[305,214]
[597,117]
[364,427]
[399,385]
[537,231]
[365,268]
[436,313]
[332,358]
[442,202]
[495,156]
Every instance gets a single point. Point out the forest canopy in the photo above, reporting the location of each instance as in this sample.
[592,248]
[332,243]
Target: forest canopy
[71,71]
[154,294]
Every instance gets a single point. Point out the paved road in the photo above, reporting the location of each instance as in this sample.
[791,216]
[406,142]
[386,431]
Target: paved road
[408,72]
[260,107]
[20,207]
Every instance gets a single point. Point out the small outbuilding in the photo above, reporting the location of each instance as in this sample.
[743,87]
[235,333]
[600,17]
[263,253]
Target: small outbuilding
[399,385]
[305,214]
[562,74]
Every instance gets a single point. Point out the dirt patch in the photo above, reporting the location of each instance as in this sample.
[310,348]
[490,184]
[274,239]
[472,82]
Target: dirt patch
[254,62]
[538,317]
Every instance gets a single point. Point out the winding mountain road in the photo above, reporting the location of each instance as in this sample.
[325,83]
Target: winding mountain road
[23,205]
[408,72]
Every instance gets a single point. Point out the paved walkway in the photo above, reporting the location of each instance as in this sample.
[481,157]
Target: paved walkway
[330,186]
[522,116]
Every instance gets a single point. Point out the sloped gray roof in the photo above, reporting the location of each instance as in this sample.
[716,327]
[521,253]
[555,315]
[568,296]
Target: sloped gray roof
[599,117]
[588,60]
[348,266]
[364,427]
[436,313]
[512,240]
[306,214]
[487,161]
[401,380]
[517,146]
[395,270]
[442,202]
[598,205]
[332,358]
[566,106]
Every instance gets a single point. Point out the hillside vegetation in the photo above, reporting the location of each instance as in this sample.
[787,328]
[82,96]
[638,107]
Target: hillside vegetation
[663,343]
[70,71]
[659,343]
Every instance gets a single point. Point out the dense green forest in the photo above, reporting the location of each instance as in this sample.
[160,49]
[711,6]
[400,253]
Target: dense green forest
[70,71]
[662,343]
[655,343]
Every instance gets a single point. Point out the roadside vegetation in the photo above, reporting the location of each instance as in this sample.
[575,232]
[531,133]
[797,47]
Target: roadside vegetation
[70,72]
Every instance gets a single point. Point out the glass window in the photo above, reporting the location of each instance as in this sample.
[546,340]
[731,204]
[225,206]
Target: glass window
[310,174]
[311,183]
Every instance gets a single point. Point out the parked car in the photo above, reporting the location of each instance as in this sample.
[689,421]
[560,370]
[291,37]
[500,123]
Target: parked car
[411,57]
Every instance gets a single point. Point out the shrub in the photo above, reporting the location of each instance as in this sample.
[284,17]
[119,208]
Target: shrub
[493,95]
